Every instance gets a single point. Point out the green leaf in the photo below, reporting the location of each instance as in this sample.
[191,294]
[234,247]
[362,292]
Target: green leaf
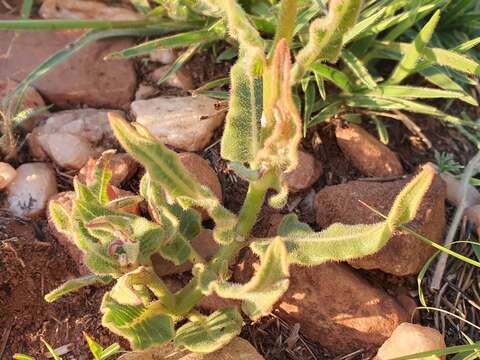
[407,65]
[308,106]
[362,26]
[412,92]
[60,216]
[143,325]
[26,9]
[205,335]
[241,136]
[22,357]
[267,285]
[438,56]
[343,242]
[94,347]
[358,69]
[337,77]
[381,130]
[75,285]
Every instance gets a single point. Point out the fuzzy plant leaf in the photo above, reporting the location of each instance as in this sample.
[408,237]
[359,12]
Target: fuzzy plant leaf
[75,285]
[267,285]
[164,168]
[143,325]
[283,124]
[208,334]
[343,242]
[326,36]
[241,138]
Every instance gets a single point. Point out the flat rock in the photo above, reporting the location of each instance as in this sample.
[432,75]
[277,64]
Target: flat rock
[75,9]
[29,192]
[203,173]
[403,254]
[71,137]
[31,100]
[307,172]
[334,306]
[204,244]
[84,79]
[409,339]
[65,199]
[186,123]
[7,174]
[366,153]
[237,349]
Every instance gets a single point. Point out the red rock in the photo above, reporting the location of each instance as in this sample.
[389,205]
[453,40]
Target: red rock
[403,254]
[122,166]
[84,79]
[65,199]
[366,153]
[204,244]
[334,306]
[308,171]
[31,100]
[409,339]
[203,173]
[7,174]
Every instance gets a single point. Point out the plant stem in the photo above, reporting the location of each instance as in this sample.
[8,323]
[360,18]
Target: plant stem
[253,203]
[286,22]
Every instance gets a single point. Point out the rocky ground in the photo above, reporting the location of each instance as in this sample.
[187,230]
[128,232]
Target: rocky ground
[337,309]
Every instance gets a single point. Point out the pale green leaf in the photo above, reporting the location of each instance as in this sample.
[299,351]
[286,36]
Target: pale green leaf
[205,335]
[358,69]
[409,61]
[267,285]
[241,136]
[76,284]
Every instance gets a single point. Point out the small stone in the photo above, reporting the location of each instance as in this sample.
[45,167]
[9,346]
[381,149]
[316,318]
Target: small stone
[403,254]
[409,339]
[308,171]
[237,349]
[204,244]
[181,79]
[203,173]
[85,79]
[31,100]
[65,199]
[71,137]
[122,166]
[333,305]
[29,192]
[366,153]
[7,174]
[186,123]
[75,9]
[163,55]
[145,92]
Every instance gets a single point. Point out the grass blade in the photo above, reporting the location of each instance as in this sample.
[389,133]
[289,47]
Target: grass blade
[406,66]
[335,76]
[412,92]
[362,26]
[441,352]
[26,9]
[358,69]
[179,62]
[173,41]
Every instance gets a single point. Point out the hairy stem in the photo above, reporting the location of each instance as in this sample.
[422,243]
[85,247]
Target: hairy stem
[253,203]
[286,22]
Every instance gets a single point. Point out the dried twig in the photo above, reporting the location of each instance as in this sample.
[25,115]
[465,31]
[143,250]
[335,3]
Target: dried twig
[470,170]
